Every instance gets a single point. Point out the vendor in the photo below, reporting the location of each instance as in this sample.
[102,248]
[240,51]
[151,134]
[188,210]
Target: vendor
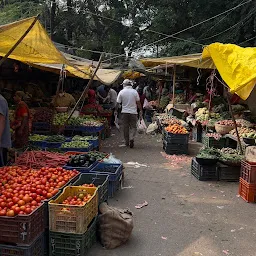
[21,122]
[91,96]
[63,99]
[101,93]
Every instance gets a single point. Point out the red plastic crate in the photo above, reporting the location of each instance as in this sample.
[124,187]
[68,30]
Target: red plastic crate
[22,229]
[247,191]
[248,172]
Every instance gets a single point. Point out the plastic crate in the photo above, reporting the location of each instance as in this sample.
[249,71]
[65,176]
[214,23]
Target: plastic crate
[40,144]
[228,173]
[175,138]
[248,172]
[247,191]
[197,134]
[41,126]
[175,149]
[22,229]
[210,142]
[36,248]
[72,218]
[113,170]
[81,169]
[62,244]
[53,144]
[115,185]
[99,180]
[203,172]
[89,148]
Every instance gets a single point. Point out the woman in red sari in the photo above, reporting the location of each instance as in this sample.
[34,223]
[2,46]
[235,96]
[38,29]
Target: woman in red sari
[21,123]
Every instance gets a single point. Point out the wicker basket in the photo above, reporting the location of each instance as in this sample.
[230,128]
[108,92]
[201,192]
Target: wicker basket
[223,129]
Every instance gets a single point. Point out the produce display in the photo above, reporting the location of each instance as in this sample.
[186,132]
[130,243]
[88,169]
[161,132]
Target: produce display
[214,135]
[40,159]
[244,123]
[98,155]
[228,151]
[83,160]
[226,122]
[80,199]
[37,137]
[76,144]
[243,132]
[176,129]
[171,121]
[231,157]
[84,138]
[23,190]
[209,153]
[55,138]
[88,185]
[43,115]
[92,123]
[61,118]
[202,114]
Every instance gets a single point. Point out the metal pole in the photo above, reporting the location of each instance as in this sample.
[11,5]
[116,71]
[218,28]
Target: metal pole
[19,41]
[173,84]
[86,88]
[234,121]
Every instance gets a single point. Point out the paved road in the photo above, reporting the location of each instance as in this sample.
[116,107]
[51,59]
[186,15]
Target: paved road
[184,217]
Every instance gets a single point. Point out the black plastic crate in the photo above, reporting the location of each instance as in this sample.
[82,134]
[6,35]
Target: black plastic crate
[175,138]
[228,173]
[197,134]
[210,142]
[36,248]
[175,149]
[99,180]
[204,172]
[64,244]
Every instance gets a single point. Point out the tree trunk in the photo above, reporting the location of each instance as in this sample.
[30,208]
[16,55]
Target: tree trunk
[68,25]
[52,18]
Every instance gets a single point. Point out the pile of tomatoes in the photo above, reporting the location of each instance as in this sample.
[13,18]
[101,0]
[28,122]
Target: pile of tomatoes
[89,185]
[80,199]
[23,190]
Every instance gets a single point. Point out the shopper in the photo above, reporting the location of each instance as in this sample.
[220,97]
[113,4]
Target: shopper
[111,99]
[21,123]
[130,101]
[5,134]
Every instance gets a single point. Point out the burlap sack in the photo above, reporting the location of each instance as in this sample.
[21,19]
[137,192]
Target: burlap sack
[115,226]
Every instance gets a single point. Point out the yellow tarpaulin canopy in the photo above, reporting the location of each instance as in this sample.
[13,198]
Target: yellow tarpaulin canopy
[37,50]
[236,65]
[192,60]
[36,47]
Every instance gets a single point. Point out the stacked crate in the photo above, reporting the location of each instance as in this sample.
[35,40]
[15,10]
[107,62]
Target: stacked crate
[23,234]
[72,227]
[247,186]
[175,144]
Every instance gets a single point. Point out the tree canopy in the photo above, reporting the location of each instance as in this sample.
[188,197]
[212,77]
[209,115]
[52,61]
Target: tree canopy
[119,27]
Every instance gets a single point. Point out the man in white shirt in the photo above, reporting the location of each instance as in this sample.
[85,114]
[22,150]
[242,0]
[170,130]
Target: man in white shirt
[130,100]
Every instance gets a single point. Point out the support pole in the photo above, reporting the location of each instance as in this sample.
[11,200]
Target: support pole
[19,41]
[86,88]
[234,121]
[173,84]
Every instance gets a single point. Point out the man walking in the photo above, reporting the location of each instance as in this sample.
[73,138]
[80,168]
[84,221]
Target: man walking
[130,101]
[5,135]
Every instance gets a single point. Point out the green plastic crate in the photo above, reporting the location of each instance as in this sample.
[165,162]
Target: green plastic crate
[64,244]
[212,143]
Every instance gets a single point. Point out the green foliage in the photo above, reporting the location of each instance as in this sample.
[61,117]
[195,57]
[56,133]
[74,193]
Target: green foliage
[130,23]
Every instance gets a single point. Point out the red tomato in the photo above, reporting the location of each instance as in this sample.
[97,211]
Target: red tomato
[17,210]
[15,199]
[10,213]
[2,212]
[21,203]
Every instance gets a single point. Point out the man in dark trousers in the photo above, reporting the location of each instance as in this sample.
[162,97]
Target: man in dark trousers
[130,101]
[5,134]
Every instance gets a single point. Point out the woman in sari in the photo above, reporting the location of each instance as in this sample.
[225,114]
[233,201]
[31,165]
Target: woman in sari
[21,123]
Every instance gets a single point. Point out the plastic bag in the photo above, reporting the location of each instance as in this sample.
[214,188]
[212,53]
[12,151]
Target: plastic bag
[152,127]
[147,105]
[112,160]
[116,122]
[141,126]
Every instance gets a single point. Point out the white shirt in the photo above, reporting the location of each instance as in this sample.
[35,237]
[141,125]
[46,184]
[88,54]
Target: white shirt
[128,97]
[112,96]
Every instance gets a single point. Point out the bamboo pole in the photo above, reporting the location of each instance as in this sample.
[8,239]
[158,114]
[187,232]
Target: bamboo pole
[234,121]
[86,88]
[19,41]
[173,84]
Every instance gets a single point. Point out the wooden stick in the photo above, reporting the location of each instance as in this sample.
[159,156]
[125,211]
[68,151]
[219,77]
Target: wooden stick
[19,41]
[173,84]
[86,88]
[234,121]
